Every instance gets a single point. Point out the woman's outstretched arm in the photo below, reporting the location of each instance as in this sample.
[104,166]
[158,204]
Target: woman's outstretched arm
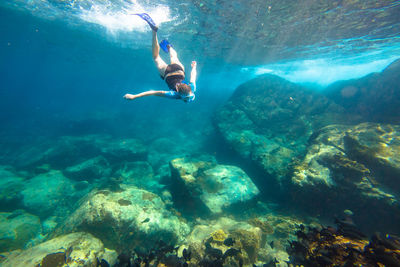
[147,93]
[193,73]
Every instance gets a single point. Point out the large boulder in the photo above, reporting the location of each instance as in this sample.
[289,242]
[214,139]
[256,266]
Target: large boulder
[17,229]
[89,170]
[216,187]
[376,97]
[268,121]
[49,193]
[75,250]
[355,168]
[127,219]
[11,185]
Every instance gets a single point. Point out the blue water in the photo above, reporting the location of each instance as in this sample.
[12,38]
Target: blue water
[62,62]
[65,65]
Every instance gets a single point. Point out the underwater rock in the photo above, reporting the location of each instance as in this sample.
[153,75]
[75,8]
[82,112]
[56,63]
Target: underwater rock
[55,152]
[82,185]
[76,249]
[140,174]
[11,186]
[67,151]
[119,150]
[50,224]
[17,229]
[351,167]
[375,97]
[48,193]
[377,147]
[218,187]
[207,243]
[126,219]
[268,121]
[89,170]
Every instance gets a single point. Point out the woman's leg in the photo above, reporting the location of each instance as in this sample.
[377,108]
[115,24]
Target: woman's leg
[174,57]
[160,64]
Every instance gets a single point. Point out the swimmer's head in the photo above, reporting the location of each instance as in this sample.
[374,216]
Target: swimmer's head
[183,89]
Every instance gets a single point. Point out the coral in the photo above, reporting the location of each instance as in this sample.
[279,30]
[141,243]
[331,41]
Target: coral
[263,225]
[249,241]
[219,236]
[54,260]
[345,246]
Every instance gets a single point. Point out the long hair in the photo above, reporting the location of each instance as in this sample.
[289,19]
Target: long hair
[183,88]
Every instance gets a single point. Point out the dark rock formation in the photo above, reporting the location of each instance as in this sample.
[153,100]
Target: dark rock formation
[268,121]
[352,167]
[277,127]
[376,97]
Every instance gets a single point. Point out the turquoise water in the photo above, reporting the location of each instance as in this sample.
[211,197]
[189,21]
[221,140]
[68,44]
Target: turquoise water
[295,123]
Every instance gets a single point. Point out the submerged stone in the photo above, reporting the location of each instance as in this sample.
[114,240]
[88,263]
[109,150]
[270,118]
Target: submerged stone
[140,174]
[11,186]
[218,187]
[118,150]
[47,193]
[17,229]
[268,121]
[245,248]
[126,219]
[76,249]
[90,169]
[352,167]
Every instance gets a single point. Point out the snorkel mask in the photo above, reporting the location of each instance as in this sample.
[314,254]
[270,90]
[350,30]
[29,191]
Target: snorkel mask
[188,98]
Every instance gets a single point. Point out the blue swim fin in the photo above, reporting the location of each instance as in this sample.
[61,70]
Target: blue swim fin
[165,45]
[148,19]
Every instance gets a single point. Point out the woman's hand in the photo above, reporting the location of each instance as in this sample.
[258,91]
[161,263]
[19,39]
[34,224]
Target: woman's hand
[194,64]
[129,97]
